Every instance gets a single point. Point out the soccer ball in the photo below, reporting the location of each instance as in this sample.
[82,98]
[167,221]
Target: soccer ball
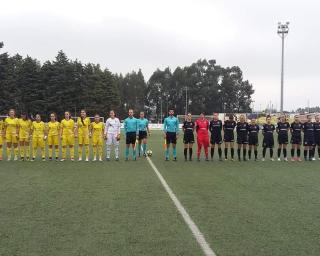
[149,152]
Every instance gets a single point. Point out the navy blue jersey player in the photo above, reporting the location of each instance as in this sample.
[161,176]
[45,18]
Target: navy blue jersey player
[215,128]
[308,139]
[253,131]
[295,129]
[268,140]
[242,137]
[317,134]
[283,129]
[228,129]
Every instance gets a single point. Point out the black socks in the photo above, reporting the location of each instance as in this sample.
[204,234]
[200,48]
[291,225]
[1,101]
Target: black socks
[212,152]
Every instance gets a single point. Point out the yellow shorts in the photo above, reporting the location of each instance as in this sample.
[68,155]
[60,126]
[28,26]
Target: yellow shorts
[1,140]
[67,141]
[37,142]
[53,140]
[11,138]
[97,141]
[83,139]
[23,139]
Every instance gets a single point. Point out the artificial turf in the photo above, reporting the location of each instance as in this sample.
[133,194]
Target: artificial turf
[120,208]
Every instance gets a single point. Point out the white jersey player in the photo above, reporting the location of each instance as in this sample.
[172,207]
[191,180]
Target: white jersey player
[112,134]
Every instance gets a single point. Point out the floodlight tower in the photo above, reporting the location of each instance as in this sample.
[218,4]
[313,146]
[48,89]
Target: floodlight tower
[283,30]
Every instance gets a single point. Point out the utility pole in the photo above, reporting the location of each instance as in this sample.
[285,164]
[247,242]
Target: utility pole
[186,100]
[283,29]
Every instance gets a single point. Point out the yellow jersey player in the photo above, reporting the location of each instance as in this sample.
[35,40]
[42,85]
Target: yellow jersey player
[67,134]
[53,136]
[1,137]
[97,131]
[38,130]
[24,136]
[83,125]
[11,130]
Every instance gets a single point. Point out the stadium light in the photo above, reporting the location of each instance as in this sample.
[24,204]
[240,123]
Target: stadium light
[283,30]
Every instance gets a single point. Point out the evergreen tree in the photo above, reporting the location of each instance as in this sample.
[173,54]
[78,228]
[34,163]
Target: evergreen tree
[63,84]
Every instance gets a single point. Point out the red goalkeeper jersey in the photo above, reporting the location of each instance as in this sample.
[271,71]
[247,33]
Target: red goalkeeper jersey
[202,126]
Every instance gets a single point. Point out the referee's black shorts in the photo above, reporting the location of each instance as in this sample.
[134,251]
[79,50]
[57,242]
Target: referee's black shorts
[171,137]
[143,135]
[131,137]
[188,138]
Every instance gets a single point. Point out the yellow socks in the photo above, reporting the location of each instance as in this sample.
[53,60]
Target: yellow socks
[64,150]
[100,151]
[95,151]
[34,152]
[80,151]
[50,152]
[16,151]
[8,153]
[56,152]
[27,151]
[22,151]
[72,152]
[87,150]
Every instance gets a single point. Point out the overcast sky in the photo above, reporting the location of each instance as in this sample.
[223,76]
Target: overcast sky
[125,35]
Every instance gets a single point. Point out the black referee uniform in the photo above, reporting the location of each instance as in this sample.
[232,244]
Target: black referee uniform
[188,137]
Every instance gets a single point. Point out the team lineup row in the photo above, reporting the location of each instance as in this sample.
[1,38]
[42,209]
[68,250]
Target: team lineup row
[247,135]
[18,133]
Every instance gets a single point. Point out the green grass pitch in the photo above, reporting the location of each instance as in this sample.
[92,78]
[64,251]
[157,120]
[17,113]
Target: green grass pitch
[120,208]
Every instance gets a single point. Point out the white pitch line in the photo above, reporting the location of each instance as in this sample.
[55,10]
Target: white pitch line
[186,217]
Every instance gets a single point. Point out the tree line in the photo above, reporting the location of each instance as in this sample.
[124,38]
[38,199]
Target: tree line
[63,84]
